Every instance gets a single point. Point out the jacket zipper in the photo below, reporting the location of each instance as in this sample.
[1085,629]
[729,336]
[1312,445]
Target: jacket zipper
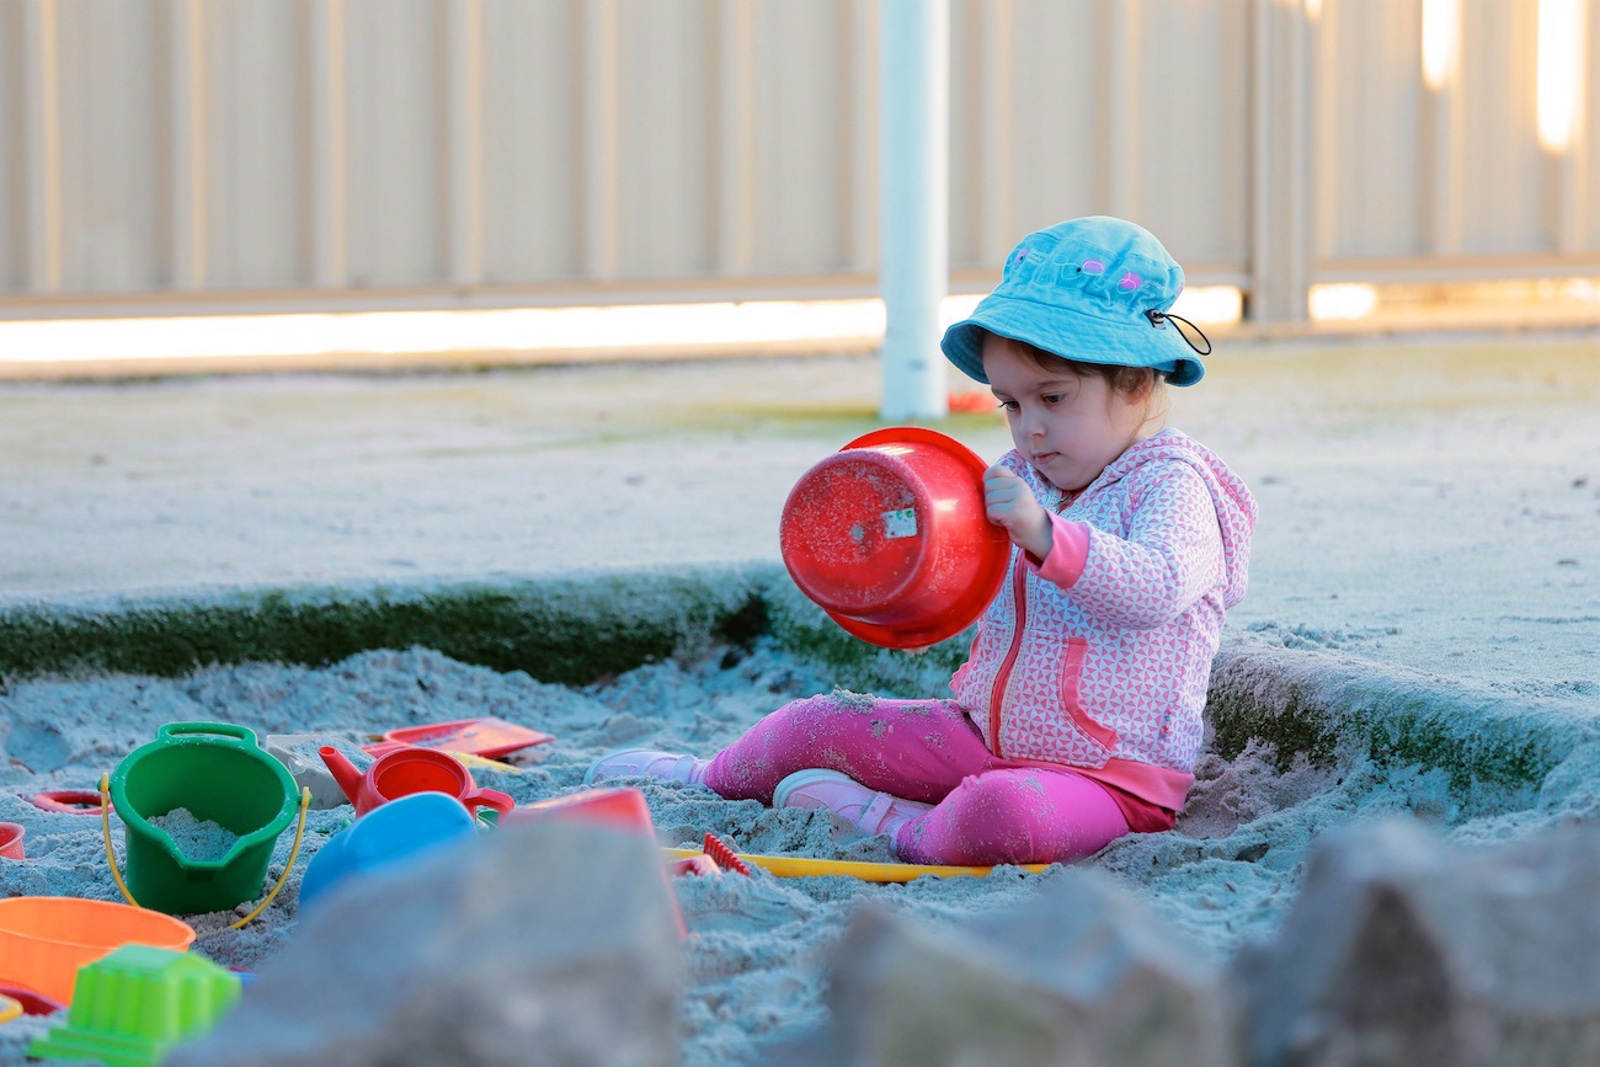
[997,694]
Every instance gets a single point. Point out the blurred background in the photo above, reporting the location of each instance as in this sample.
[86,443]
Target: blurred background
[355,183]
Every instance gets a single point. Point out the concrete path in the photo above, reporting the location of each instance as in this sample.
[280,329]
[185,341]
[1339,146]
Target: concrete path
[1428,505]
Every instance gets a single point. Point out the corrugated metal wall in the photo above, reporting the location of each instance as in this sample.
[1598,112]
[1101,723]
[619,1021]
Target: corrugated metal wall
[206,154]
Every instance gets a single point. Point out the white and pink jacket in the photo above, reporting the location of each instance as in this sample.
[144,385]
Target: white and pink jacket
[1099,657]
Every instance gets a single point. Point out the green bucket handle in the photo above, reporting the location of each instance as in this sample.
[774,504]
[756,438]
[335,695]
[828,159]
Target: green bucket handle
[242,736]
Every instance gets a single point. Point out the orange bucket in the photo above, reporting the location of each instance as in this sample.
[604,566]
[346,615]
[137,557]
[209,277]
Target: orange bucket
[44,940]
[889,537]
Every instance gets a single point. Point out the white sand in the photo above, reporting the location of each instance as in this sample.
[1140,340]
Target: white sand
[1437,510]
[755,962]
[198,840]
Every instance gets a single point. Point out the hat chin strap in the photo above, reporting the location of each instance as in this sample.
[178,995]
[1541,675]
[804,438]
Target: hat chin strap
[1159,319]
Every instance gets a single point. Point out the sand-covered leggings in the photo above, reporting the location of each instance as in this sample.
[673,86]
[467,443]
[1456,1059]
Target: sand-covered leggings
[986,810]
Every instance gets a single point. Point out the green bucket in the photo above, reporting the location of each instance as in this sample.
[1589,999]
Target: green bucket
[219,773]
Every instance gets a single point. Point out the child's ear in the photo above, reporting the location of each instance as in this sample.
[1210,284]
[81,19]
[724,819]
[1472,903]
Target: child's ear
[1155,398]
[1143,384]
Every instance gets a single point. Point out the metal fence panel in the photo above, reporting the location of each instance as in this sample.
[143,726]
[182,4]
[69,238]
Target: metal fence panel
[250,210]
[1369,110]
[13,172]
[532,142]
[187,154]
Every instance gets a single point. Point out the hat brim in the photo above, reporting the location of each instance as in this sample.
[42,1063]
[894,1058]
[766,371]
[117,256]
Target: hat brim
[1071,335]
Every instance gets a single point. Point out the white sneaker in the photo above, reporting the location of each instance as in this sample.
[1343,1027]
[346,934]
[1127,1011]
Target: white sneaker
[648,763]
[868,810]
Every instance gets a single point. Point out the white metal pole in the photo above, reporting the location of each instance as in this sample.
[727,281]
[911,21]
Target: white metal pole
[914,199]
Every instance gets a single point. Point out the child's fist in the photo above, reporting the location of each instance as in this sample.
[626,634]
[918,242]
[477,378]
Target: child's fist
[1009,502]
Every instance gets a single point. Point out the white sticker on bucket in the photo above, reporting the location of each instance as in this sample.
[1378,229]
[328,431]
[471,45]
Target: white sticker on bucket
[902,523]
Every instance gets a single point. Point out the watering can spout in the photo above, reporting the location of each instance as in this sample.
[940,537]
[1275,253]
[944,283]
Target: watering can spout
[344,772]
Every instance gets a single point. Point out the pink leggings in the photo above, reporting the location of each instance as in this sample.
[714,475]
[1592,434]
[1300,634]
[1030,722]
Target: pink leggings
[987,810]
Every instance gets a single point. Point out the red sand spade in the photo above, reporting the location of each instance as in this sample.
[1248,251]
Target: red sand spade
[889,537]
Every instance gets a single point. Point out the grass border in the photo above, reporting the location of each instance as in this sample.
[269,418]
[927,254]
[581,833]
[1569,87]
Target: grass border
[576,629]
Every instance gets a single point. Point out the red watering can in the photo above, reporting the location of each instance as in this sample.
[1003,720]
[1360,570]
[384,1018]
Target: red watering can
[410,770]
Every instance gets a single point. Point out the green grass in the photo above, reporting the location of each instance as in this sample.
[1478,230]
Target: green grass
[574,631]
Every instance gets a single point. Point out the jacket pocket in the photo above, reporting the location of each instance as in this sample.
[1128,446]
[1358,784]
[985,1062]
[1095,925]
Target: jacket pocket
[1071,679]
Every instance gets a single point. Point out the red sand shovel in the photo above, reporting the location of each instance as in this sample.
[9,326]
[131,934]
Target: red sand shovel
[488,737]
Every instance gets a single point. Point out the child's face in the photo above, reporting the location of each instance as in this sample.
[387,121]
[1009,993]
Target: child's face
[1069,426]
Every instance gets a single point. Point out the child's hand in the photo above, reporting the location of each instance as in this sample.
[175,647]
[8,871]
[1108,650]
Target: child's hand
[1009,502]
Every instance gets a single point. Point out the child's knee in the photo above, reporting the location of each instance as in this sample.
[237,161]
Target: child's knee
[1005,817]
[985,807]
[837,706]
[981,821]
[811,710]
[810,723]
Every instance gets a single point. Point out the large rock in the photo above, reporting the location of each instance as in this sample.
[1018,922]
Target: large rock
[1084,976]
[1404,950]
[548,942]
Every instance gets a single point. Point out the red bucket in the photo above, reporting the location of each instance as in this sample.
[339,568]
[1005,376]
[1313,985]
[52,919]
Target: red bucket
[889,537]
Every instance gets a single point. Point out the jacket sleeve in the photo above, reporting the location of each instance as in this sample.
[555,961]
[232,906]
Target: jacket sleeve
[1172,554]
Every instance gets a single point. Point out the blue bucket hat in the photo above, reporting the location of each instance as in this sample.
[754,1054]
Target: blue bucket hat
[1095,290]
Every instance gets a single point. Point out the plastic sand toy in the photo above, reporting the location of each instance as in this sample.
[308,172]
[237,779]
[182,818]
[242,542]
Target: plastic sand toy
[218,773]
[409,770]
[32,1002]
[399,830]
[713,858]
[489,737]
[44,940]
[66,801]
[132,1007]
[890,538]
[806,867]
[622,808]
[723,856]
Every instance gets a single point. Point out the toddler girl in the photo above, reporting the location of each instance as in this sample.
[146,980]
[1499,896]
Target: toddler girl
[1077,716]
